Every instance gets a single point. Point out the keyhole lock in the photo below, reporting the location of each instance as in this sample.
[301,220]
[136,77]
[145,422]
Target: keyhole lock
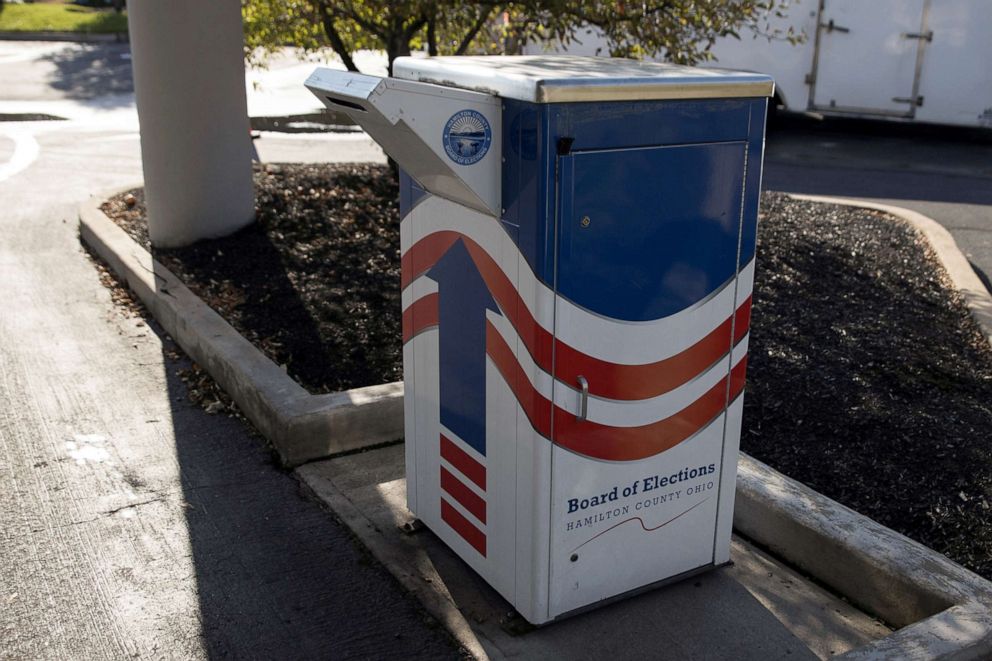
[585,222]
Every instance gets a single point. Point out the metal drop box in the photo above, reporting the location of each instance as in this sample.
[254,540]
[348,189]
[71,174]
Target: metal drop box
[578,239]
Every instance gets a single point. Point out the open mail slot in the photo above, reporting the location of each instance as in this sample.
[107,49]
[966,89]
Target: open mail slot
[408,120]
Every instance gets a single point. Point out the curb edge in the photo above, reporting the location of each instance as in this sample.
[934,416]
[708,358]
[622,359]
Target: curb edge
[301,426]
[958,268]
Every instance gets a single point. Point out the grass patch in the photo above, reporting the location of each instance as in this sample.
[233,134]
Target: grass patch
[60,18]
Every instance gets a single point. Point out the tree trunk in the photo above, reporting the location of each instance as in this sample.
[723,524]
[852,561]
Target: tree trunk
[432,35]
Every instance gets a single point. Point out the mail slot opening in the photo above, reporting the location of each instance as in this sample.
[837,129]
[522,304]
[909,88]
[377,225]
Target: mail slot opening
[345,104]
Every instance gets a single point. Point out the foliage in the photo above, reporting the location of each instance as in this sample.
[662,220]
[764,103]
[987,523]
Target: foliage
[679,31]
[38,17]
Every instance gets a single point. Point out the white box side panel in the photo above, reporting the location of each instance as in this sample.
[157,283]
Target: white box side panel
[501,451]
[409,379]
[533,512]
[533,457]
[650,521]
[728,482]
[732,438]
[426,440]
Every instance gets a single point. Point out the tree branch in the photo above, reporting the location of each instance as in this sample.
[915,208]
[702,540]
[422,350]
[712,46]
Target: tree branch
[350,13]
[337,44]
[474,31]
[414,28]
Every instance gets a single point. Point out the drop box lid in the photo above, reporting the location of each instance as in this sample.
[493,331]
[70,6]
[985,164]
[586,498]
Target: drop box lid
[566,79]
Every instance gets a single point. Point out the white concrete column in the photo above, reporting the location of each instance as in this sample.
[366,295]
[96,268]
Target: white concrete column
[189,85]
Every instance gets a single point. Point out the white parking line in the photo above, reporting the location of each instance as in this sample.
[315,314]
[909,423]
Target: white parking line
[26,151]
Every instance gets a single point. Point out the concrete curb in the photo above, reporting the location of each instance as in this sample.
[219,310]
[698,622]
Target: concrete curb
[944,610]
[301,426]
[962,276]
[81,37]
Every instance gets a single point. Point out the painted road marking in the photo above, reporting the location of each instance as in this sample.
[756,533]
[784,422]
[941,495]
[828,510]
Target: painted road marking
[26,151]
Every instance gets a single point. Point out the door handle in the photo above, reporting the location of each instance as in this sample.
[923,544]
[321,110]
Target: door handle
[583,398]
[831,26]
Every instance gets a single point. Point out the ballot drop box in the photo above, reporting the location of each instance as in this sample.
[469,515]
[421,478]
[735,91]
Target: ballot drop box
[578,240]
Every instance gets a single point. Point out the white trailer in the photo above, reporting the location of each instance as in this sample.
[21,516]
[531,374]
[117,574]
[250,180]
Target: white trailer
[905,60]
[921,60]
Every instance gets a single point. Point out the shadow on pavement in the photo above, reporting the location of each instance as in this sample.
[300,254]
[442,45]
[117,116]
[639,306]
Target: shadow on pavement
[92,71]
[982,275]
[277,576]
[855,126]
[886,160]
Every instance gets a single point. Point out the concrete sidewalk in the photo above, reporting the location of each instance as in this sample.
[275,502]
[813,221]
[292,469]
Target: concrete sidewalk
[757,609]
[133,524]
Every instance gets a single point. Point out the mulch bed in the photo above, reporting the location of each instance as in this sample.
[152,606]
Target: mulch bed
[868,379]
[315,282]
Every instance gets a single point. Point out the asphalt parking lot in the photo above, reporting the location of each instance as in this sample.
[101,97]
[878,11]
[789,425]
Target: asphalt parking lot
[940,171]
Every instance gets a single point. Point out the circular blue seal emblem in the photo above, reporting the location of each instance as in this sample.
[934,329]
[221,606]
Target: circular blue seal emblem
[467,137]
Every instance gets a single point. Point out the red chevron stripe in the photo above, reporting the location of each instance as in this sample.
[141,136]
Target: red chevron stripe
[606,379]
[421,314]
[738,377]
[600,441]
[424,254]
[464,462]
[463,527]
[465,496]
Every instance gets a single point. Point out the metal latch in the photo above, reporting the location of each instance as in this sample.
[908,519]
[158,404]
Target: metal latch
[926,36]
[583,398]
[912,100]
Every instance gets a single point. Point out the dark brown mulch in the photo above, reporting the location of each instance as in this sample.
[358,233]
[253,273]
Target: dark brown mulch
[868,380]
[315,282]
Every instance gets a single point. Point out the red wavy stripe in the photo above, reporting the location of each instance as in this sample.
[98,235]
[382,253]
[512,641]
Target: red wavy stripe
[606,379]
[464,462]
[738,377]
[592,439]
[424,254]
[535,405]
[463,527]
[465,496]
[421,314]
[742,320]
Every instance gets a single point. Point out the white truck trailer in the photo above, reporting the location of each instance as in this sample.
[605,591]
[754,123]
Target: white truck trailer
[904,60]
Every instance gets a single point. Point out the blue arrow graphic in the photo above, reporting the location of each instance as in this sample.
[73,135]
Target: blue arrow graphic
[463,299]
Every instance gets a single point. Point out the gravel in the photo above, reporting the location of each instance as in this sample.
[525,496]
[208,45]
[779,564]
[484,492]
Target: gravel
[868,380]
